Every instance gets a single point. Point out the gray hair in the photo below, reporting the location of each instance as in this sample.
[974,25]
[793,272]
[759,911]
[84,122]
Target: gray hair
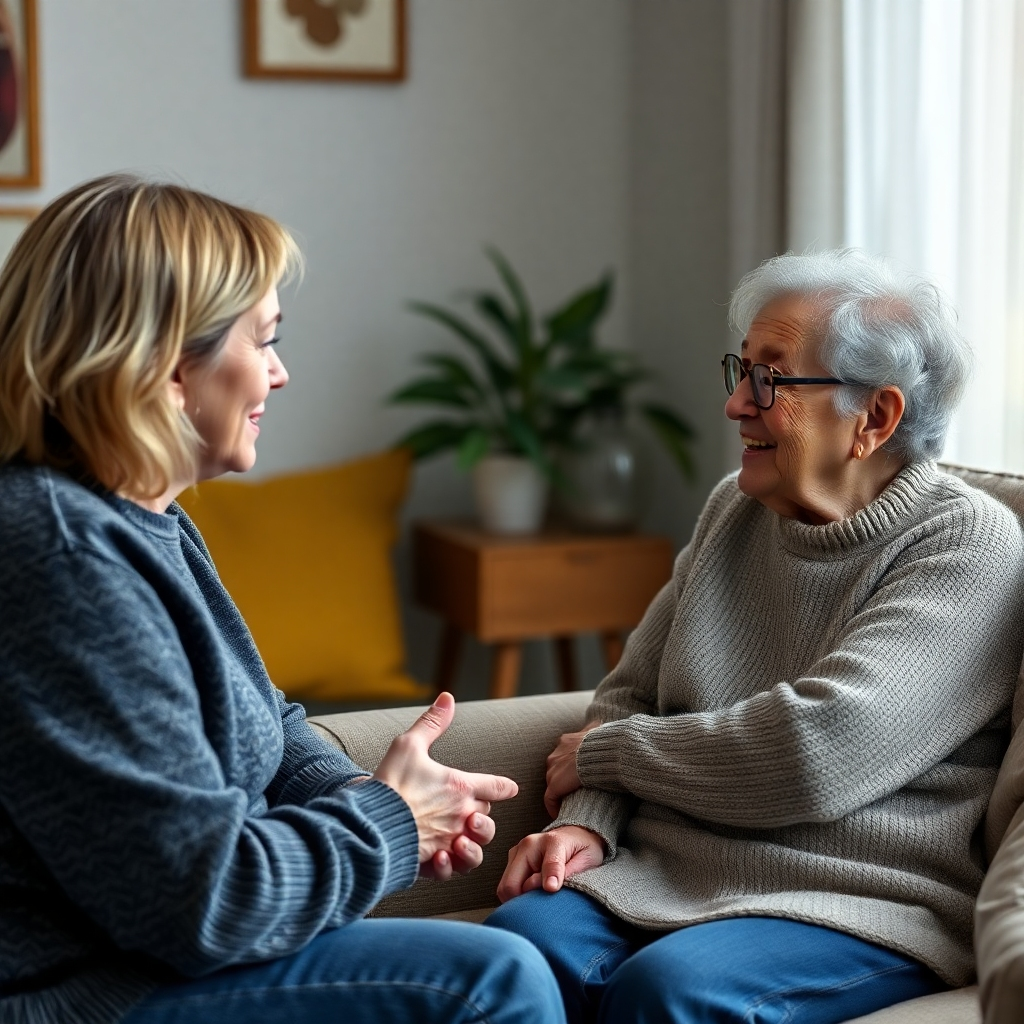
[877,324]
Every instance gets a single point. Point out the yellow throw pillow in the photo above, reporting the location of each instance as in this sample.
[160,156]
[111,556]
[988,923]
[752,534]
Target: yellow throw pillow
[307,559]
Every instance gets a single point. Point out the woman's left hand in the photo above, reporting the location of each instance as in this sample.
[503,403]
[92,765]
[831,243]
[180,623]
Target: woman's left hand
[562,776]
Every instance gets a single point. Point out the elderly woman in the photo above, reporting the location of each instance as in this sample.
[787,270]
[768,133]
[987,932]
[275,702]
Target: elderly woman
[176,844]
[773,813]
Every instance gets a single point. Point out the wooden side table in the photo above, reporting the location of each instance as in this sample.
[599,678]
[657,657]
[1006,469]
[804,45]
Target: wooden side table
[505,590]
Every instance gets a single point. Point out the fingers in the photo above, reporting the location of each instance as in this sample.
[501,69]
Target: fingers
[480,828]
[433,722]
[492,788]
[517,870]
[466,855]
[439,867]
[542,854]
[533,882]
[552,869]
[552,803]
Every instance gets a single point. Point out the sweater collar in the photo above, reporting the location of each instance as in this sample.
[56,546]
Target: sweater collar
[887,516]
[160,524]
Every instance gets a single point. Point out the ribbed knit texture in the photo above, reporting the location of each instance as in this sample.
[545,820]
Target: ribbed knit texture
[163,810]
[808,722]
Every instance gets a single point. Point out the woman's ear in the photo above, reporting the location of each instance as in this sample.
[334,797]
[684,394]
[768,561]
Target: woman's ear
[878,422]
[176,388]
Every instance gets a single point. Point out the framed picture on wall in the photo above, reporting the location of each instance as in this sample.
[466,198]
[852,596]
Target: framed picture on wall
[19,101]
[13,220]
[351,40]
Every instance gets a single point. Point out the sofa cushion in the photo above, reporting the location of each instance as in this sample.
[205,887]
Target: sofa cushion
[959,1006]
[307,559]
[1005,487]
[999,927]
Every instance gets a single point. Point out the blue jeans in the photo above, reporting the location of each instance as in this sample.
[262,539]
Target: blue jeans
[372,972]
[751,969]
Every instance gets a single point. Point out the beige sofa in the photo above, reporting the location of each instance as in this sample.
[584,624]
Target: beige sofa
[513,737]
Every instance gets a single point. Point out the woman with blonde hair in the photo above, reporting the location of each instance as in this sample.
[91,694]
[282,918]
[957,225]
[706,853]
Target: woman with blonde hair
[175,841]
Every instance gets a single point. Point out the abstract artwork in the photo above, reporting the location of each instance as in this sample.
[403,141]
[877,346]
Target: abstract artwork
[357,40]
[19,117]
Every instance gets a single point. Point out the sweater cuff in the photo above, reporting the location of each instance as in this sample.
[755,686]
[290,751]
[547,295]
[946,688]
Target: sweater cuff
[599,755]
[317,778]
[390,815]
[599,812]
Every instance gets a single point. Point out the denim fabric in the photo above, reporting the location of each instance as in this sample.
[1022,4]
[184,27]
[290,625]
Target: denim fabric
[758,970]
[373,972]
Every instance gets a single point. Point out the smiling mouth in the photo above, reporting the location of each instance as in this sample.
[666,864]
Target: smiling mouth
[752,444]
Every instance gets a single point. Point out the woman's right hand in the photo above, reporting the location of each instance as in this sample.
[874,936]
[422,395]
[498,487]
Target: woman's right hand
[547,859]
[444,801]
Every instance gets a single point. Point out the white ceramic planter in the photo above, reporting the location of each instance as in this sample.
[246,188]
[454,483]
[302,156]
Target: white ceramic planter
[511,494]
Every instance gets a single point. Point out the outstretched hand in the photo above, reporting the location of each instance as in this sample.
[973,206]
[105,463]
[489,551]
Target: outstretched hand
[451,807]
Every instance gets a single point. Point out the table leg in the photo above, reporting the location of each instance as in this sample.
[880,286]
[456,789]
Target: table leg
[448,658]
[611,644]
[566,653]
[506,661]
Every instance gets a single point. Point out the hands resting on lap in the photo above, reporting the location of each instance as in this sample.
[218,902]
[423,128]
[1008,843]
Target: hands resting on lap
[452,808]
[546,859]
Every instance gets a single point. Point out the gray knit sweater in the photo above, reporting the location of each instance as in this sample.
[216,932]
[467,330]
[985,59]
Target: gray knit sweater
[808,721]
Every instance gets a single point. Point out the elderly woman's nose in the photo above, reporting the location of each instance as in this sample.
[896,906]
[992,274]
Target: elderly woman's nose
[741,402]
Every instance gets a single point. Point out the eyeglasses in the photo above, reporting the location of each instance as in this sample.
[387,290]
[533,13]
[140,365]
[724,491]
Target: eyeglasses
[764,379]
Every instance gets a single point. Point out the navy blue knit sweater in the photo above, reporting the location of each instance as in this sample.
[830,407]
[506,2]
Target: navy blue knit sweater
[163,810]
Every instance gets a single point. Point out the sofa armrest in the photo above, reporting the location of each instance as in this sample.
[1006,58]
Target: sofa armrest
[999,928]
[510,737]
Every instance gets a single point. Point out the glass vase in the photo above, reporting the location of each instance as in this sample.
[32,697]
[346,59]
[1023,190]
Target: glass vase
[600,491]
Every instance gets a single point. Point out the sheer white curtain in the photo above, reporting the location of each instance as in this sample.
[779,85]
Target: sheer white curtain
[906,137]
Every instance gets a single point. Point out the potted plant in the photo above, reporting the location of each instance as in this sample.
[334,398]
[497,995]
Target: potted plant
[518,393]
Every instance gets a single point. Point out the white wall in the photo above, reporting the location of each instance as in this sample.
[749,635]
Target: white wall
[511,128]
[680,231]
[576,134]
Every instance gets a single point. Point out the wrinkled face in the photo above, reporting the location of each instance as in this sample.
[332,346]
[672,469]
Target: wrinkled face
[225,401]
[795,452]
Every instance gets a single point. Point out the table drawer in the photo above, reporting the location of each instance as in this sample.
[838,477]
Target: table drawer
[569,588]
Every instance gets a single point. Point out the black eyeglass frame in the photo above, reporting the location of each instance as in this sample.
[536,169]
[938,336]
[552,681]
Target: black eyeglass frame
[776,377]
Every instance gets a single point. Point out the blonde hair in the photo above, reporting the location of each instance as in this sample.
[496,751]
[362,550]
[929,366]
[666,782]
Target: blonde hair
[107,290]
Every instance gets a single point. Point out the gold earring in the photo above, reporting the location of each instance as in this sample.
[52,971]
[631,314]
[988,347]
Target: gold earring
[859,453]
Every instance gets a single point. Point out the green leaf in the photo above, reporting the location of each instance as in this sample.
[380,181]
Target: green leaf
[563,378]
[454,369]
[491,308]
[674,433]
[527,441]
[434,437]
[574,323]
[500,374]
[524,327]
[435,390]
[475,445]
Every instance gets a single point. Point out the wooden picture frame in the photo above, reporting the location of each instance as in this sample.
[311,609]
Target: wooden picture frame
[341,40]
[19,125]
[13,220]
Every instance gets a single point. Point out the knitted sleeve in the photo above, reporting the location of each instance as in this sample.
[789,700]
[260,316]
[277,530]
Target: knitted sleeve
[921,667]
[109,777]
[630,688]
[310,766]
